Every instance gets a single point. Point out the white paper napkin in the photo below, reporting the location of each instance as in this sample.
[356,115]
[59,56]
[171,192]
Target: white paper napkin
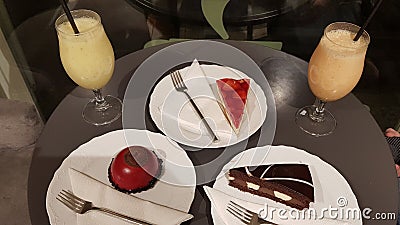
[105,196]
[200,90]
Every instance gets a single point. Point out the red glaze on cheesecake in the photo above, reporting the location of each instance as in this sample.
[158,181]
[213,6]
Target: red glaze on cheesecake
[233,94]
[134,169]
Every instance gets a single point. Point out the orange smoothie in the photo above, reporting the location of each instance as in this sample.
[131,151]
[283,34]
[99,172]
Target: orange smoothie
[336,65]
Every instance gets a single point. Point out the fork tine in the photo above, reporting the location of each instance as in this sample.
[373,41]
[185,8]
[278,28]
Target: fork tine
[67,203]
[69,195]
[72,198]
[243,214]
[180,79]
[72,195]
[240,208]
[238,216]
[173,80]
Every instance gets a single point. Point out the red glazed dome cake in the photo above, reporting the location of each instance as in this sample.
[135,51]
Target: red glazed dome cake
[134,169]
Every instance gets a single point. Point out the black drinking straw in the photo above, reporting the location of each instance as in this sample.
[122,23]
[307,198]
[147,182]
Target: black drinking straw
[69,16]
[359,33]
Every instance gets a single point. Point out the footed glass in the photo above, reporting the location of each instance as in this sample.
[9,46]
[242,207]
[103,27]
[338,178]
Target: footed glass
[88,59]
[334,70]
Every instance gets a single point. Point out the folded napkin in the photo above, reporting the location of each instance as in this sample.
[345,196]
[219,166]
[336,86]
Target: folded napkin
[105,196]
[220,200]
[199,88]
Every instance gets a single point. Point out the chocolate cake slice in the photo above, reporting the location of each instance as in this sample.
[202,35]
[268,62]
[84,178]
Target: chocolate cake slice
[290,184]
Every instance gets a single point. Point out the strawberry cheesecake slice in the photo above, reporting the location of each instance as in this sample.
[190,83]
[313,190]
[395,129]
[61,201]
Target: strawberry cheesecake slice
[233,94]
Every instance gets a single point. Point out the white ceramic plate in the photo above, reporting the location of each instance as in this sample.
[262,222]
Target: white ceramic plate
[330,186]
[93,159]
[255,113]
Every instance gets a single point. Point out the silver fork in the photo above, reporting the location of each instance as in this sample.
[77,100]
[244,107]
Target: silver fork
[244,215]
[180,86]
[81,206]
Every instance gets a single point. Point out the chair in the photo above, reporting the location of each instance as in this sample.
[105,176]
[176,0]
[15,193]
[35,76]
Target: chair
[213,12]
[271,44]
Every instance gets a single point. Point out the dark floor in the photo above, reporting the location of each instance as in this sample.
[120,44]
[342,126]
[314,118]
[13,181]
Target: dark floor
[14,170]
[299,31]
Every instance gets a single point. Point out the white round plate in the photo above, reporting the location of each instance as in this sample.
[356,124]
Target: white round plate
[94,157]
[329,185]
[255,113]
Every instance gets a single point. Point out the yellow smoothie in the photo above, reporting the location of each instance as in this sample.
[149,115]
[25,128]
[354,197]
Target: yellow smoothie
[88,57]
[336,65]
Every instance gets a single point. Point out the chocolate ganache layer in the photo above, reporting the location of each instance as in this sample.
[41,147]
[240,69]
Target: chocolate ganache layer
[290,184]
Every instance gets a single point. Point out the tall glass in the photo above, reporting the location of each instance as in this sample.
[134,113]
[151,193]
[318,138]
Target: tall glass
[333,71]
[88,59]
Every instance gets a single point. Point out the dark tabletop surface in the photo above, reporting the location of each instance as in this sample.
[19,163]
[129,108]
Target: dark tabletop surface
[236,11]
[357,148]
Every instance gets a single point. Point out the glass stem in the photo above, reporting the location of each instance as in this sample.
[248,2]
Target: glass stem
[318,114]
[101,103]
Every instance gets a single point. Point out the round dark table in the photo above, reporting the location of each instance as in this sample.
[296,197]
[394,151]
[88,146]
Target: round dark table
[357,148]
[236,12]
